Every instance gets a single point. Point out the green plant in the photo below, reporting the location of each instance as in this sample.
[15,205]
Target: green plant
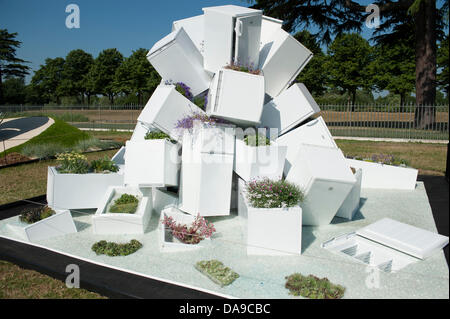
[267,193]
[36,214]
[217,272]
[313,287]
[114,249]
[125,204]
[256,140]
[157,135]
[72,163]
[43,150]
[104,165]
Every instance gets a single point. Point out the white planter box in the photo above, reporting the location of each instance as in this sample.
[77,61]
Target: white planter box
[236,96]
[289,109]
[271,231]
[140,130]
[177,59]
[163,199]
[118,223]
[251,162]
[385,176]
[169,243]
[314,132]
[58,224]
[194,27]
[269,26]
[205,181]
[351,204]
[165,108]
[282,61]
[231,33]
[79,191]
[151,163]
[325,177]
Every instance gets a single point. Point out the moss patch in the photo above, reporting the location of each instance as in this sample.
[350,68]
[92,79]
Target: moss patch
[313,287]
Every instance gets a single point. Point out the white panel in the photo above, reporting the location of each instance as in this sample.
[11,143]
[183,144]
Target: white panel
[194,27]
[351,204]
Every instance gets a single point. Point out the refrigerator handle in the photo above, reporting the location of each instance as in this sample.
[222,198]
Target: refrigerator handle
[238,28]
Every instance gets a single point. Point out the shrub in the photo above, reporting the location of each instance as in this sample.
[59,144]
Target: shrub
[36,214]
[95,143]
[313,287]
[256,140]
[43,150]
[217,272]
[104,165]
[267,193]
[113,249]
[192,234]
[72,163]
[125,204]
[236,66]
[157,135]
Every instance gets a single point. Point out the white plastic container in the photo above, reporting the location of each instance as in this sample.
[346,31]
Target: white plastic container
[58,224]
[165,108]
[258,161]
[152,163]
[236,96]
[289,109]
[281,61]
[79,191]
[326,179]
[271,231]
[118,223]
[232,33]
[194,27]
[167,242]
[177,59]
[351,204]
[383,176]
[314,132]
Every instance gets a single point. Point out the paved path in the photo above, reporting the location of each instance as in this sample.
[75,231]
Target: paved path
[16,131]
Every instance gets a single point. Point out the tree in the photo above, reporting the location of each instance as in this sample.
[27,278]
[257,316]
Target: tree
[47,80]
[77,66]
[443,61]
[14,90]
[349,57]
[10,65]
[337,16]
[100,78]
[314,75]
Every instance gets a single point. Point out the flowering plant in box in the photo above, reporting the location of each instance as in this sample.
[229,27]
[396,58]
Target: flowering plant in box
[267,193]
[187,122]
[237,66]
[34,215]
[72,163]
[192,234]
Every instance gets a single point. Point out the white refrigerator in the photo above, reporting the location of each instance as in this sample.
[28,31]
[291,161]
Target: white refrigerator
[232,33]
[194,29]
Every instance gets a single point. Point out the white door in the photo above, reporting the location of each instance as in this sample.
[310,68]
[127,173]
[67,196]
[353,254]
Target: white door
[248,33]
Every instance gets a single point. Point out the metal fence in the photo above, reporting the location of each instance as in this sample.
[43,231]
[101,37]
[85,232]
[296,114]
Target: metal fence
[375,121]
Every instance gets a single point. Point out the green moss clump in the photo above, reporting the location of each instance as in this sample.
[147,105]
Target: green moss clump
[156,135]
[125,204]
[313,287]
[217,272]
[36,214]
[256,140]
[114,249]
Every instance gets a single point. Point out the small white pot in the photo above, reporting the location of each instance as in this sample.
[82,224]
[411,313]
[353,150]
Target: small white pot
[58,224]
[236,96]
[383,176]
[151,163]
[118,223]
[169,243]
[271,231]
[351,204]
[79,191]
[259,161]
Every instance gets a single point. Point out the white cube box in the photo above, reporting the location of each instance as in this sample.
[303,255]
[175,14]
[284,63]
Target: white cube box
[351,204]
[194,27]
[167,242]
[326,178]
[258,161]
[236,96]
[382,176]
[212,139]
[282,61]
[270,231]
[118,223]
[79,191]
[151,163]
[232,33]
[162,199]
[289,109]
[314,132]
[165,108]
[177,59]
[59,224]
[141,129]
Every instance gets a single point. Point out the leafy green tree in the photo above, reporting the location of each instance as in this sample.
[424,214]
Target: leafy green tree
[443,61]
[10,65]
[100,78]
[349,57]
[47,80]
[77,66]
[314,75]
[14,90]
